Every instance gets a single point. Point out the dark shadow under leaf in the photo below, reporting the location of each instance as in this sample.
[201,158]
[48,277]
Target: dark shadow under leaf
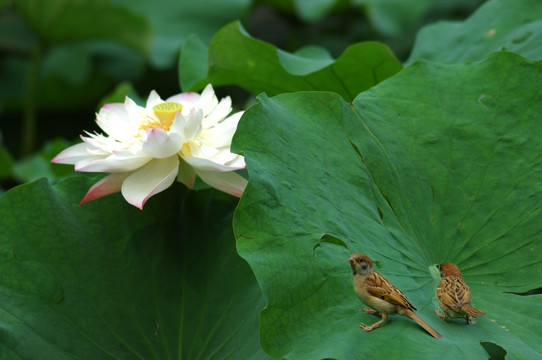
[495,351]
[536,291]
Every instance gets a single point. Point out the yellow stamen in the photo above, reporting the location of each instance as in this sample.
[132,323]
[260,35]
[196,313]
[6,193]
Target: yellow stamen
[165,113]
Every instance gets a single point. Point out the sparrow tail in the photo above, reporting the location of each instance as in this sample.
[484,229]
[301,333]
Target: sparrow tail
[472,311]
[411,314]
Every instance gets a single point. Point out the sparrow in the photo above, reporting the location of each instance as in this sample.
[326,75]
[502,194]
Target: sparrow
[454,295]
[375,291]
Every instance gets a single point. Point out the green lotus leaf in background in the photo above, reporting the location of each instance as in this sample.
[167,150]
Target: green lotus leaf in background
[193,62]
[63,47]
[61,21]
[39,164]
[307,10]
[314,10]
[391,17]
[106,280]
[235,58]
[515,25]
[439,163]
[172,21]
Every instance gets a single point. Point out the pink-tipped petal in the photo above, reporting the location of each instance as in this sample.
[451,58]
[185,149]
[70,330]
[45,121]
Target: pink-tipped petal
[228,182]
[115,108]
[113,163]
[111,118]
[154,177]
[108,185]
[72,155]
[186,99]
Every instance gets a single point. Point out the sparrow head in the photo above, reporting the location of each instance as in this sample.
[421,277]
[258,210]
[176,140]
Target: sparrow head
[449,269]
[360,263]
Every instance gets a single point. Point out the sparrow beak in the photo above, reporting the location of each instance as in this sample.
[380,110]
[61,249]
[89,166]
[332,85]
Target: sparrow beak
[350,261]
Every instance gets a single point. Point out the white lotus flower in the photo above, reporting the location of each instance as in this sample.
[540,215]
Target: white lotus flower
[146,148]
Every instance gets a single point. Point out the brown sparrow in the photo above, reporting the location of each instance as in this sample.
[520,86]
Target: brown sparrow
[375,291]
[454,295]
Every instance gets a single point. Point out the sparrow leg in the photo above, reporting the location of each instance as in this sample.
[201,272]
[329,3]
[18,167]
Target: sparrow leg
[372,312]
[441,315]
[375,325]
[467,317]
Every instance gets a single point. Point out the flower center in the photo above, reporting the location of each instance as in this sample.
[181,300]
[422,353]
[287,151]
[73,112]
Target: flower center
[165,113]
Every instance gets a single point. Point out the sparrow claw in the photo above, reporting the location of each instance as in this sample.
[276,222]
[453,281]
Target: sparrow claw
[441,315]
[368,328]
[372,312]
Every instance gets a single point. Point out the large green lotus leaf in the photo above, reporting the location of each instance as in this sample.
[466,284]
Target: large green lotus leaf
[439,163]
[105,280]
[174,20]
[235,58]
[60,21]
[515,25]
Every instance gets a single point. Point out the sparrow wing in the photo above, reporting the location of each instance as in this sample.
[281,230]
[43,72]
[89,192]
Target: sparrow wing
[379,286]
[453,292]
